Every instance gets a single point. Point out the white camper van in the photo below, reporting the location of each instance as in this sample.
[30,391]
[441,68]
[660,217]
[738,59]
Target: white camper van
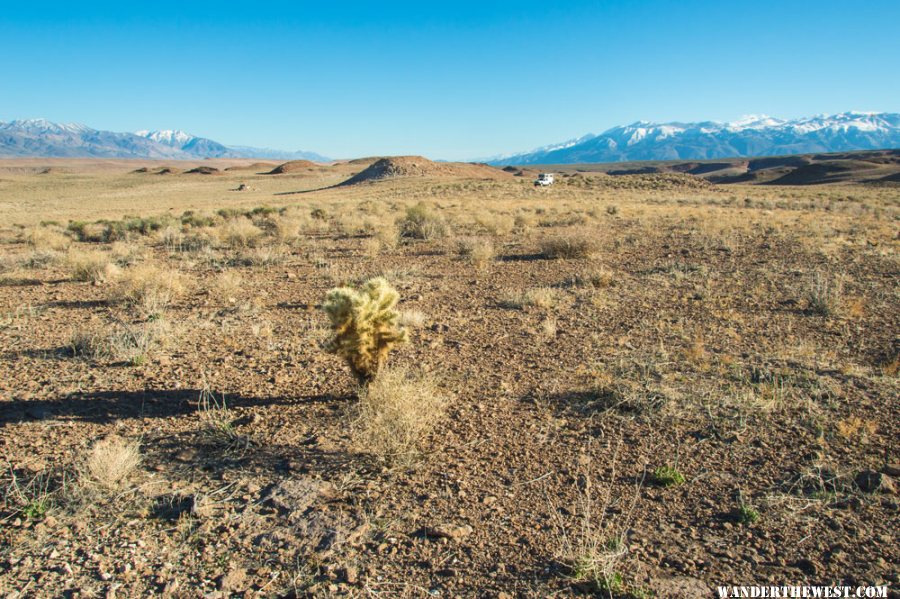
[544,179]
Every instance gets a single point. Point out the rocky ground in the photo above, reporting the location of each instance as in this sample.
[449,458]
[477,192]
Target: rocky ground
[673,408]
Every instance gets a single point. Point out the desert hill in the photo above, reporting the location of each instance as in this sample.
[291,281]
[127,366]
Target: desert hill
[417,166]
[868,166]
[292,166]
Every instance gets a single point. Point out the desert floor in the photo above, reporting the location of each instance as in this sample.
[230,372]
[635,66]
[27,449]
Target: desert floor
[650,385]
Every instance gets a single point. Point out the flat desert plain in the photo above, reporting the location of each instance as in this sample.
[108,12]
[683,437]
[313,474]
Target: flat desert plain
[625,386]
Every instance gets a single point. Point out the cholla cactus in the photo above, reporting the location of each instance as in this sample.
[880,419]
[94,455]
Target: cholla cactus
[365,325]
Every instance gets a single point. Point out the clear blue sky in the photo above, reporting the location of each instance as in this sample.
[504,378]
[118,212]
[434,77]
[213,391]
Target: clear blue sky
[448,80]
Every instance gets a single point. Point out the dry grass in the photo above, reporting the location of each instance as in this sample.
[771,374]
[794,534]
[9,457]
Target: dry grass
[131,344]
[413,319]
[422,222]
[395,412]
[592,543]
[111,462]
[824,294]
[91,266]
[42,238]
[239,233]
[540,297]
[227,285]
[480,252]
[571,244]
[150,289]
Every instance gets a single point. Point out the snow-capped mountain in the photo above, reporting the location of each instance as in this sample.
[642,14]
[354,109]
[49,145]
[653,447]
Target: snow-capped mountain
[755,135]
[43,138]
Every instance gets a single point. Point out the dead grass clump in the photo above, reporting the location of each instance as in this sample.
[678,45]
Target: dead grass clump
[598,277]
[239,233]
[125,253]
[412,319]
[592,542]
[495,224]
[131,344]
[150,288]
[824,295]
[569,245]
[422,222]
[41,238]
[540,297]
[110,463]
[38,259]
[227,285]
[396,410]
[92,266]
[479,252]
[286,227]
[264,255]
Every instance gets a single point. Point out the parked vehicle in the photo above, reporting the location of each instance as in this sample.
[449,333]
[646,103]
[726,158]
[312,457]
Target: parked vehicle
[544,179]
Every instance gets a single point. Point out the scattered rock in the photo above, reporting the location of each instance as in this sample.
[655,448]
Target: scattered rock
[235,580]
[870,481]
[450,531]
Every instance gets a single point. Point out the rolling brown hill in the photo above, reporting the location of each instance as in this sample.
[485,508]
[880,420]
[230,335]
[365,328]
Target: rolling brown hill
[870,166]
[418,166]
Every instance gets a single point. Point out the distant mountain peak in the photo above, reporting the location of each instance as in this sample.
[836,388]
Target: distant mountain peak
[167,136]
[751,135]
[43,138]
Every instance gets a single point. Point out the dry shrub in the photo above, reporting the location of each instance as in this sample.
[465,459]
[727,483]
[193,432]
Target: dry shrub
[150,288]
[541,297]
[422,222]
[597,276]
[574,244]
[412,319]
[824,294]
[239,233]
[387,234]
[264,255]
[41,238]
[123,343]
[495,224]
[171,237]
[110,462]
[479,252]
[42,258]
[227,285]
[286,228]
[125,253]
[396,410]
[92,266]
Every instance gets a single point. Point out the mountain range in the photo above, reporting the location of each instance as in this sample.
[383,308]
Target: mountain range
[42,138]
[749,136]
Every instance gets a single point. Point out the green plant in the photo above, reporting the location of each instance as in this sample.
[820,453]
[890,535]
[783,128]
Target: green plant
[365,325]
[667,476]
[746,514]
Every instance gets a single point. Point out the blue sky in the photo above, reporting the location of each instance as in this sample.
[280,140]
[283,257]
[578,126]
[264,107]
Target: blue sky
[448,80]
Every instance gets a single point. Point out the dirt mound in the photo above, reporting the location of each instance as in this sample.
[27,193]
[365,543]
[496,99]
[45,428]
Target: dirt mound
[143,169]
[418,166]
[292,167]
[256,166]
[165,170]
[202,170]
